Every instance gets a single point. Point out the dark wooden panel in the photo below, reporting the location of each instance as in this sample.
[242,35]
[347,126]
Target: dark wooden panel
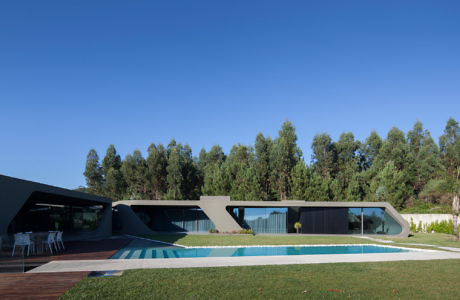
[329,220]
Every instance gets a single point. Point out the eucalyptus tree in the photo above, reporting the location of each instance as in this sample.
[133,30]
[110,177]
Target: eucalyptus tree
[214,176]
[242,174]
[93,173]
[324,155]
[426,160]
[347,150]
[369,150]
[191,186]
[390,185]
[285,155]
[346,166]
[134,170]
[217,180]
[450,154]
[299,181]
[157,162]
[175,175]
[263,147]
[449,144]
[317,188]
[113,178]
[395,148]
[182,173]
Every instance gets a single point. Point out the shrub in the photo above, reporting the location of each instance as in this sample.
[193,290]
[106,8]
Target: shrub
[297,226]
[246,231]
[420,227]
[413,227]
[441,227]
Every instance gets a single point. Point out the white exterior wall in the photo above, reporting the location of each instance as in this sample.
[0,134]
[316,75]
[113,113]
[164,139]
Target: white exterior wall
[426,218]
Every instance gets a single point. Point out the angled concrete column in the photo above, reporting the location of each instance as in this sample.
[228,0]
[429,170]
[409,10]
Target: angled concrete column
[215,208]
[129,222]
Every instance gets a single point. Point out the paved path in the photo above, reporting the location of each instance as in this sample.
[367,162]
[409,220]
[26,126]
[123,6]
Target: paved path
[126,264]
[410,244]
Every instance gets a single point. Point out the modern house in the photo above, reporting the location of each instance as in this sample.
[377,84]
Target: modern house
[149,216]
[31,206]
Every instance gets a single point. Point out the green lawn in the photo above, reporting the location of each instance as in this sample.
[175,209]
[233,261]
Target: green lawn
[386,280]
[249,239]
[438,239]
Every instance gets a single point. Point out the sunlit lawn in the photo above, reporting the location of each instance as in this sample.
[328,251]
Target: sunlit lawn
[249,239]
[438,239]
[384,280]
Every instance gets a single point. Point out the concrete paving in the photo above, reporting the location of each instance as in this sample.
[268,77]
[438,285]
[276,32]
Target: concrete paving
[411,244]
[127,264]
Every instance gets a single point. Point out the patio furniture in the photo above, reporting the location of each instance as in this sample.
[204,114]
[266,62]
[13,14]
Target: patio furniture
[23,239]
[51,240]
[59,240]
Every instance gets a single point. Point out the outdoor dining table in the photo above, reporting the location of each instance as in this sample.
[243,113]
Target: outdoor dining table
[38,237]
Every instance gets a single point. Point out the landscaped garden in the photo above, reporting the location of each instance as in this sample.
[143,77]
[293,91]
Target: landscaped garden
[383,280]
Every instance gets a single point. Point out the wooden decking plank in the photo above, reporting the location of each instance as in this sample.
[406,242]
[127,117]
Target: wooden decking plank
[53,285]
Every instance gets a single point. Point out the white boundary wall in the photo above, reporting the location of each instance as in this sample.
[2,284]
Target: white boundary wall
[426,218]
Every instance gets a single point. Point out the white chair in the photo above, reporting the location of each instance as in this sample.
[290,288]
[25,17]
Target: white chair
[59,240]
[23,239]
[51,240]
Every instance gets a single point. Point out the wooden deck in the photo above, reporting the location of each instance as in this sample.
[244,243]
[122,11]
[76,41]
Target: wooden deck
[37,285]
[53,285]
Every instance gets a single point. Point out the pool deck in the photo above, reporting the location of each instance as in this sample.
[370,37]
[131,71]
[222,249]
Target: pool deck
[127,264]
[49,285]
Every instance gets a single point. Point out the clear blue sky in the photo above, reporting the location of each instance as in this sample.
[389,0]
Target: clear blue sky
[82,74]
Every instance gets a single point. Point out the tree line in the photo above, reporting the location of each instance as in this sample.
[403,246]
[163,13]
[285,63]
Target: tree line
[403,169]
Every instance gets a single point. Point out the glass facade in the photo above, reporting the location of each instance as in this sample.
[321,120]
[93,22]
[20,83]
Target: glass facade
[378,221]
[262,219]
[39,217]
[354,220]
[174,219]
[316,220]
[371,220]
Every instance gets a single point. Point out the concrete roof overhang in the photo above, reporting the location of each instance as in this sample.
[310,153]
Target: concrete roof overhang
[215,208]
[15,193]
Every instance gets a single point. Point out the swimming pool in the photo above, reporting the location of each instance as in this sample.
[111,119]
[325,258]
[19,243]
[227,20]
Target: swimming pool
[190,252]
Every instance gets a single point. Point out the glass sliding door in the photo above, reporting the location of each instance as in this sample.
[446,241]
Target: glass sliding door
[391,226]
[261,219]
[354,220]
[174,219]
[375,220]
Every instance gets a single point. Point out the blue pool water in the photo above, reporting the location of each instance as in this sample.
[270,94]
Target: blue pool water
[176,252]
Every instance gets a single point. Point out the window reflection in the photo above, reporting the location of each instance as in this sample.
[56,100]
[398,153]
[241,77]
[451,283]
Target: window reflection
[262,219]
[354,220]
[175,219]
[46,216]
[377,221]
